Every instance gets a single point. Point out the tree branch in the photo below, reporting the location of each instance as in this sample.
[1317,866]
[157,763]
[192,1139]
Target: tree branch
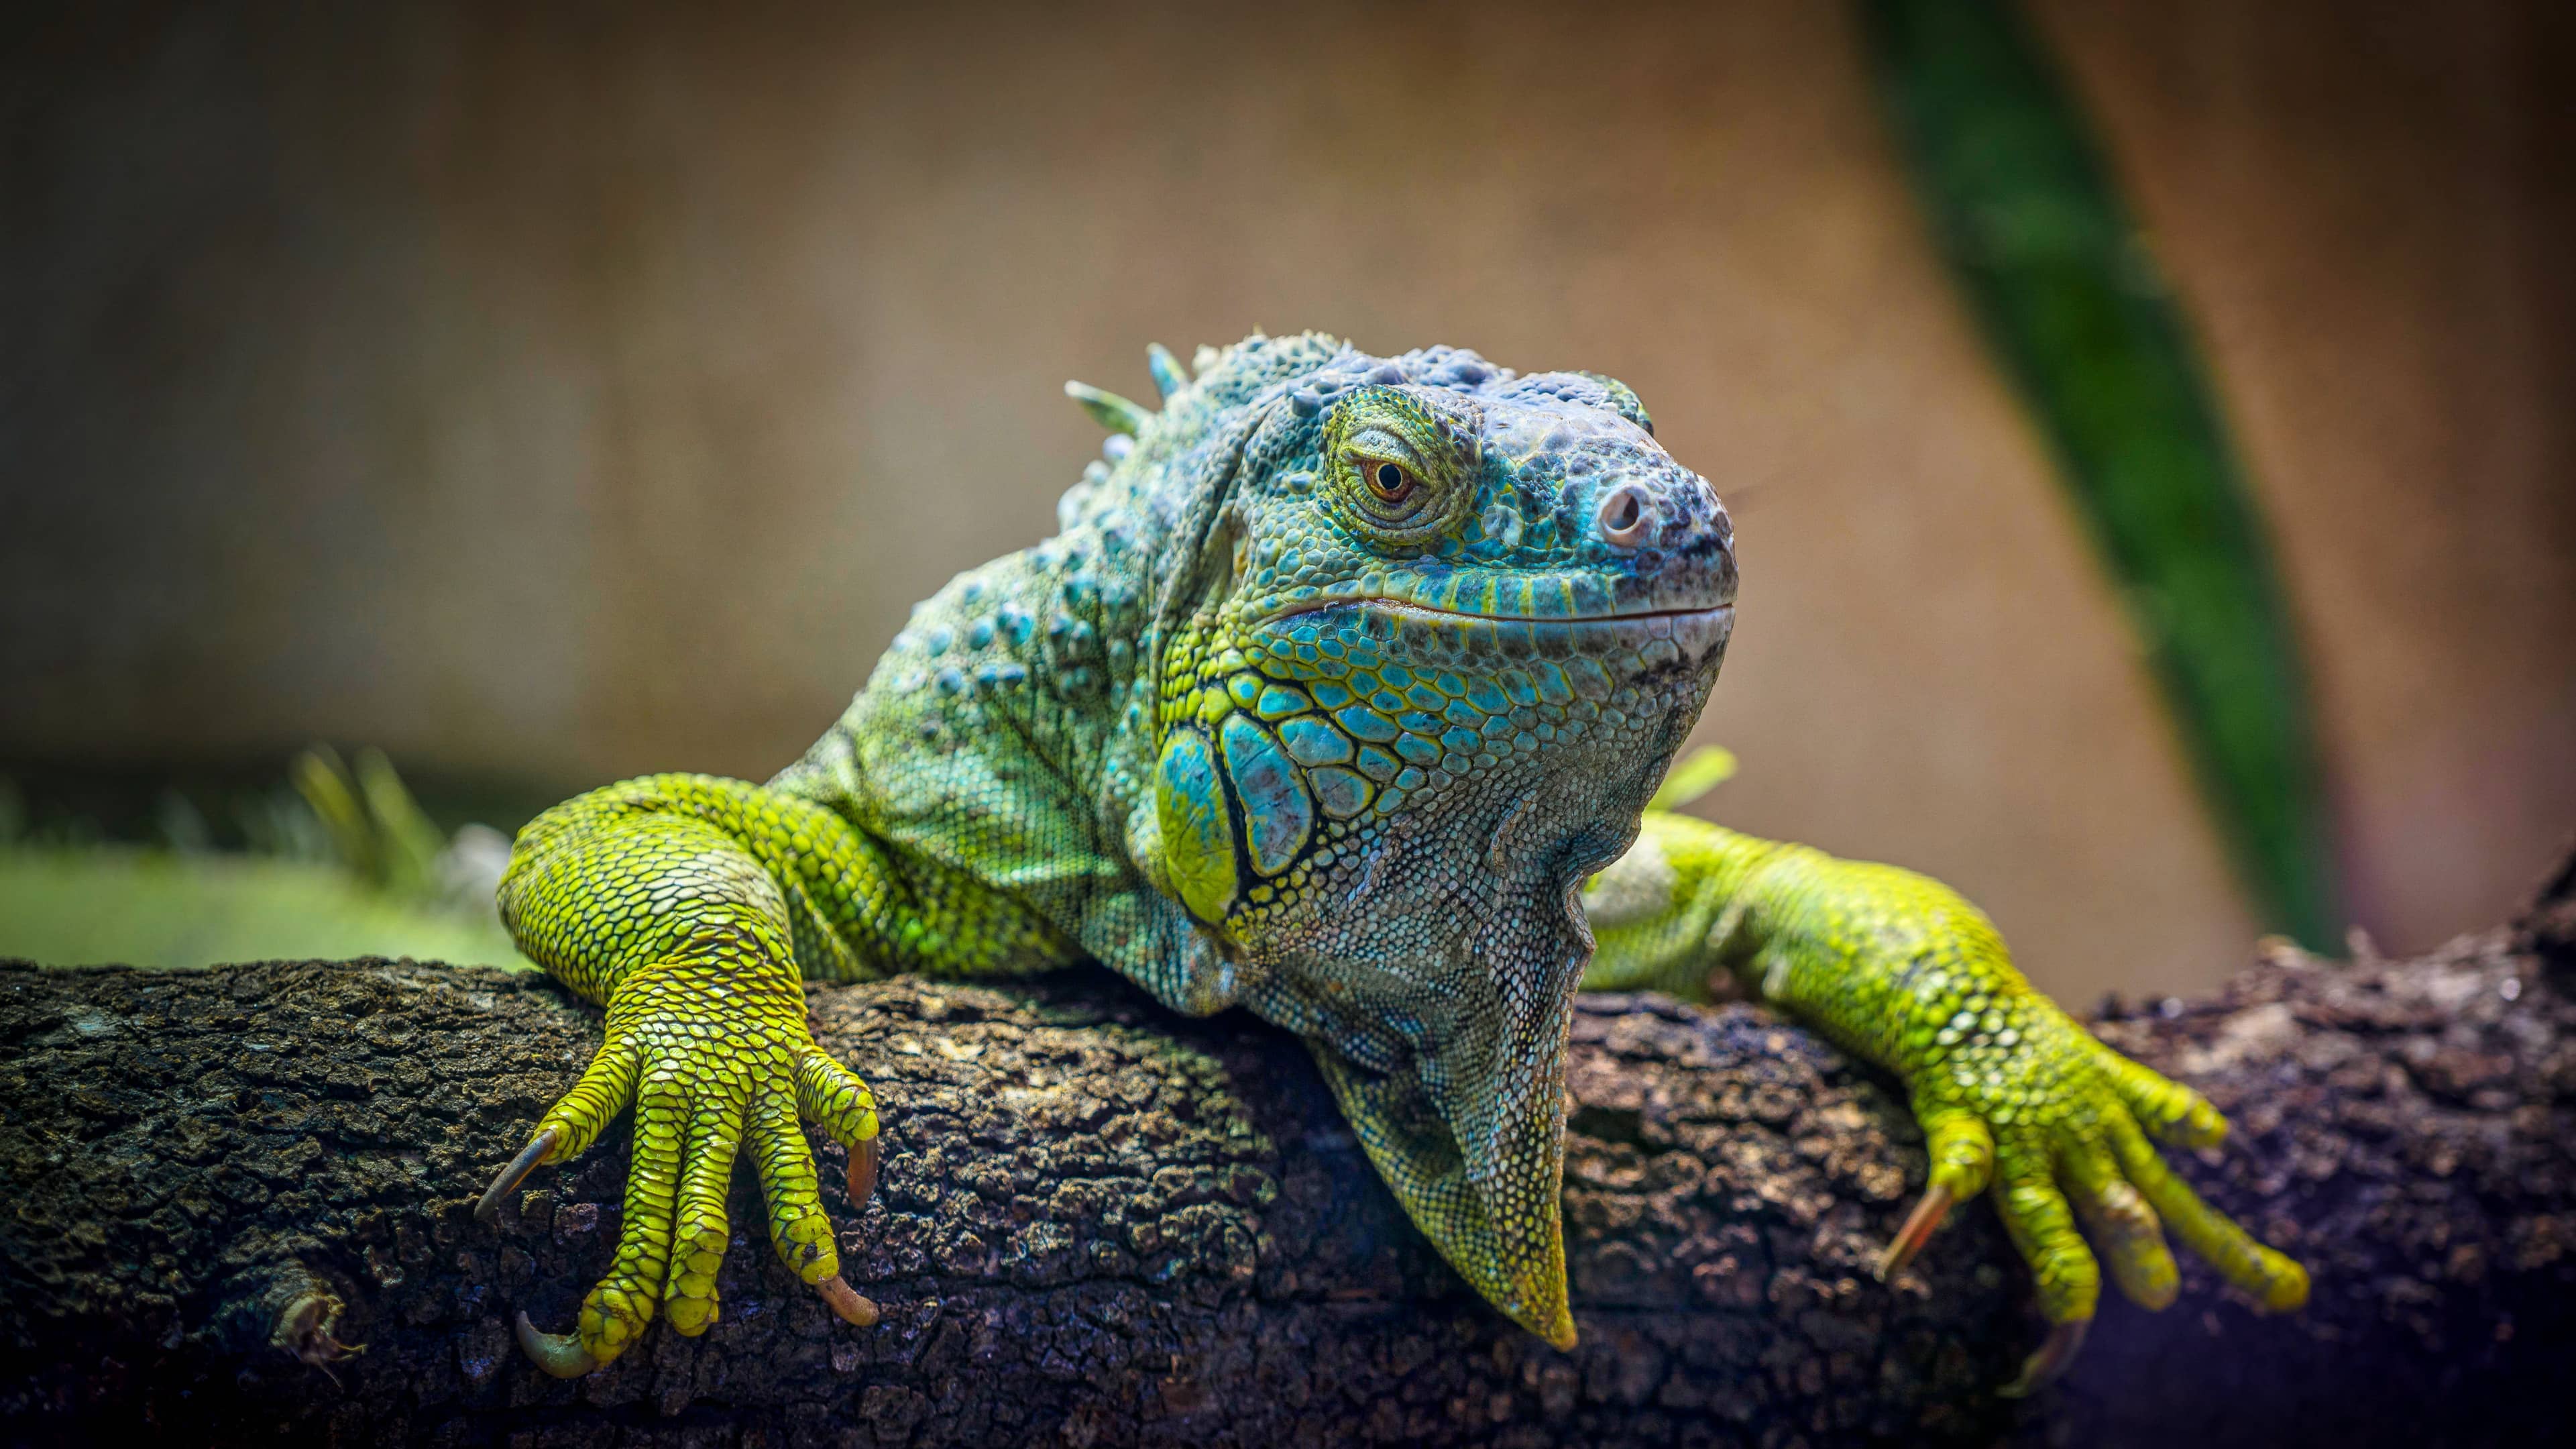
[1100,1224]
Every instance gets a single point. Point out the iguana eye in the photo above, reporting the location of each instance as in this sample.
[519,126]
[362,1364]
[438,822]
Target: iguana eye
[1401,472]
[1390,482]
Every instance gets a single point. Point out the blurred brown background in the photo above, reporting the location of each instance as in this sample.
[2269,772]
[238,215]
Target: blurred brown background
[565,391]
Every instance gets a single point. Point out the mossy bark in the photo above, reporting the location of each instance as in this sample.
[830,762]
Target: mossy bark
[239,1208]
[2407,1130]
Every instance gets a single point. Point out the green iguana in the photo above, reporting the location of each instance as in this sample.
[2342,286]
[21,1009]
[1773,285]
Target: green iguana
[1340,695]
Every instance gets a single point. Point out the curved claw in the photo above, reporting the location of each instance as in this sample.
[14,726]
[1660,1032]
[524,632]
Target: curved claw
[863,1172]
[559,1354]
[511,1176]
[1920,1225]
[845,1300]
[2049,1360]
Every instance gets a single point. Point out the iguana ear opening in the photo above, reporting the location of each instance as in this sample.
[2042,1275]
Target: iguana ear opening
[1471,1136]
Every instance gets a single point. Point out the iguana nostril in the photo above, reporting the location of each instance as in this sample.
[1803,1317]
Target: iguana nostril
[1624,516]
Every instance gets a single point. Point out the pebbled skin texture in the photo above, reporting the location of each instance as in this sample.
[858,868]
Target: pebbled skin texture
[1340,679]
[1898,969]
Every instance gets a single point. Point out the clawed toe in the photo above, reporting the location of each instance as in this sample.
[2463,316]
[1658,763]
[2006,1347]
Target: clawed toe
[2050,1359]
[512,1175]
[863,1172]
[848,1302]
[559,1354]
[1926,1219]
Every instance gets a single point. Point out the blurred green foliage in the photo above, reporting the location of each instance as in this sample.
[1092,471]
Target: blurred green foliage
[137,906]
[343,864]
[1692,776]
[2035,231]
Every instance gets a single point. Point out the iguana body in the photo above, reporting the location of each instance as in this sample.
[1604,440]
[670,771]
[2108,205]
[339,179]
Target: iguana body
[1327,701]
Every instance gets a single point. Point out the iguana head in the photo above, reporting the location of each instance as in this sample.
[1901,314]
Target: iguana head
[1429,632]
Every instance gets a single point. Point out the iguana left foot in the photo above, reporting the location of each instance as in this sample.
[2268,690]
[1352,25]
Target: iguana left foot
[2013,1088]
[1898,969]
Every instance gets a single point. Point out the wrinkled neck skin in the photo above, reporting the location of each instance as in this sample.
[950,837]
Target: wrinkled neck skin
[1423,635]
[1471,920]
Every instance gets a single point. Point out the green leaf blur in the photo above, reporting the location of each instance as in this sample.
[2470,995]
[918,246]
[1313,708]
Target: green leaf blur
[2035,231]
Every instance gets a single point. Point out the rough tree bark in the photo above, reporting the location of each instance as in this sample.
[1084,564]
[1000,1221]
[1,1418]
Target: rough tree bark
[1100,1225]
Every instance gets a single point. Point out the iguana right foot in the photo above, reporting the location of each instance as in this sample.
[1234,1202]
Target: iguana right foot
[705,1052]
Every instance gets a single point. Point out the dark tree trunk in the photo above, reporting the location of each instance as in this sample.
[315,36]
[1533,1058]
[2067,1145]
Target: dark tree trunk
[1100,1224]
[2409,1132]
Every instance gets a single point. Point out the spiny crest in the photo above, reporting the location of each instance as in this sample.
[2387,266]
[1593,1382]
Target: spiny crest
[1125,417]
[1168,377]
[1108,409]
[1226,377]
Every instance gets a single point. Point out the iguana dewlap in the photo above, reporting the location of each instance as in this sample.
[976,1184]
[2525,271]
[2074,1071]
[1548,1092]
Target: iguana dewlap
[1340,695]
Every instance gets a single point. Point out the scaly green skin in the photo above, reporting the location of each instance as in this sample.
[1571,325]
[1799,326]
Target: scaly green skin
[1326,701]
[1899,969]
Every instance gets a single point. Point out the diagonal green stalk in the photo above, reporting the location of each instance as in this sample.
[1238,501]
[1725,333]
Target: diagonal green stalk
[2034,229]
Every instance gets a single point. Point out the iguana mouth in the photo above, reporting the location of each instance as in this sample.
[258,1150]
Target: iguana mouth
[1427,633]
[1432,613]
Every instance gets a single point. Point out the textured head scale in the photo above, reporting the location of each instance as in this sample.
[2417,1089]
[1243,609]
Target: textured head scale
[1431,634]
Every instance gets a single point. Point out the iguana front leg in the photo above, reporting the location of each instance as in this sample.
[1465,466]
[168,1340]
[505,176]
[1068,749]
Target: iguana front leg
[684,904]
[1897,968]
